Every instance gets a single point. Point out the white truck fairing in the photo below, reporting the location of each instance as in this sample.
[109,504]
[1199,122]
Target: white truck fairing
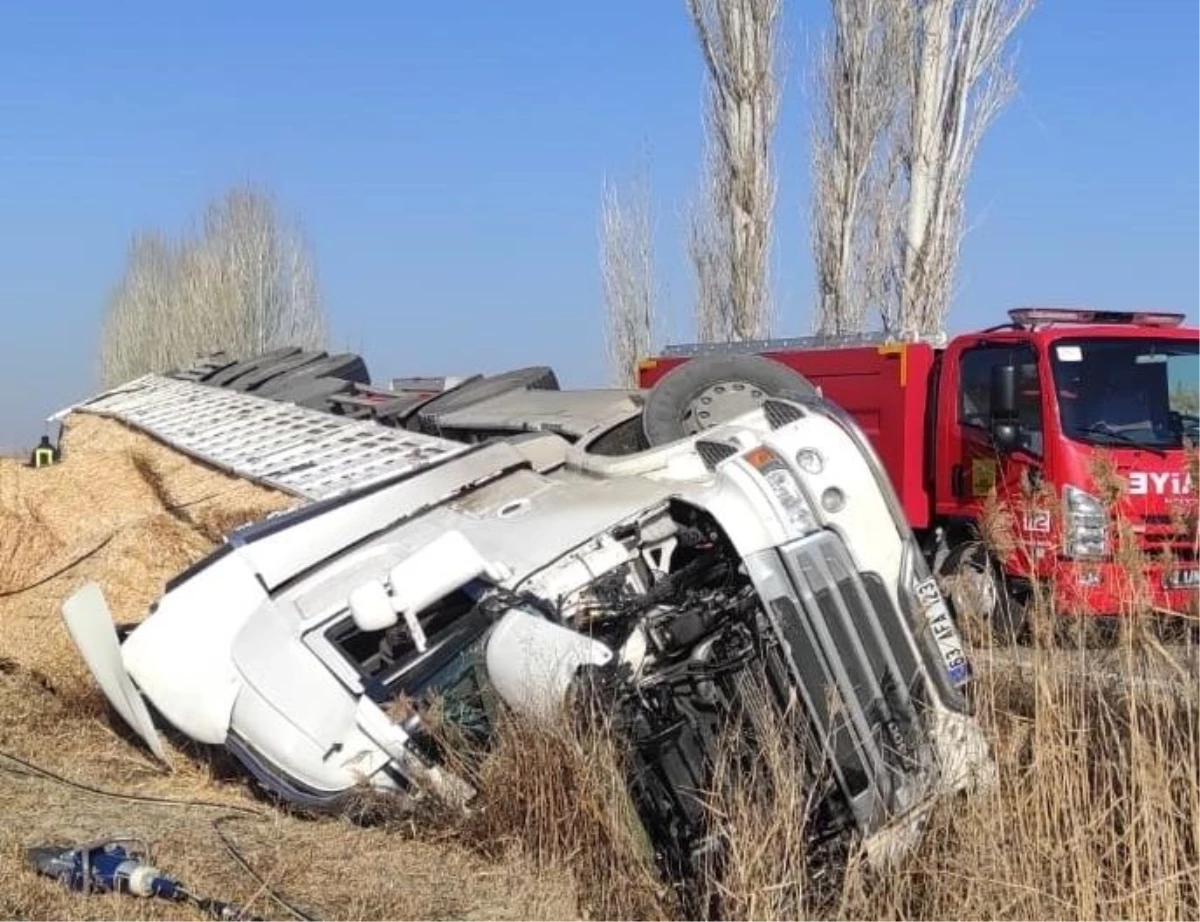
[289,643]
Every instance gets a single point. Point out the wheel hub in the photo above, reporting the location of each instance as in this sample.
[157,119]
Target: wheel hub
[720,403]
[975,590]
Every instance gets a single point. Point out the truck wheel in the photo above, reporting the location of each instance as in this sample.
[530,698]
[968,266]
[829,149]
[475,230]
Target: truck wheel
[981,597]
[709,390]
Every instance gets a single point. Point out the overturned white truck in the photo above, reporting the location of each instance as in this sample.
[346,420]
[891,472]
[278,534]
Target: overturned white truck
[522,571]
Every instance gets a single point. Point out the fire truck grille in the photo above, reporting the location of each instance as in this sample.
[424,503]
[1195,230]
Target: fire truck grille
[1169,536]
[1171,545]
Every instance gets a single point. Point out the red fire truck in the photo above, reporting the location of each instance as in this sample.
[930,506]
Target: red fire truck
[1039,416]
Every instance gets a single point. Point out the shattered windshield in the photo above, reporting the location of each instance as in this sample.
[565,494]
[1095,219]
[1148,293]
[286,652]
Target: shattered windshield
[1135,392]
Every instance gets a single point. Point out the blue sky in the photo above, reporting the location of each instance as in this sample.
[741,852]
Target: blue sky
[446,159]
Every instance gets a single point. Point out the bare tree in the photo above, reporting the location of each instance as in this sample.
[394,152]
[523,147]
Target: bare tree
[907,91]
[959,81]
[731,228]
[860,84]
[139,327]
[709,249]
[627,270]
[244,284]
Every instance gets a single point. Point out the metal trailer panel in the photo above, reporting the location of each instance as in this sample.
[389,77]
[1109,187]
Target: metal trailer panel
[305,452]
[569,413]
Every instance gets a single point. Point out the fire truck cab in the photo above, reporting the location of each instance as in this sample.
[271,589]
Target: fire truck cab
[1078,427]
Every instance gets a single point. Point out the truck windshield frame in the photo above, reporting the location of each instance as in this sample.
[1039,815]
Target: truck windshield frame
[1134,392]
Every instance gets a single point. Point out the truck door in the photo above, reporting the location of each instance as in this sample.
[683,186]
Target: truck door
[969,466]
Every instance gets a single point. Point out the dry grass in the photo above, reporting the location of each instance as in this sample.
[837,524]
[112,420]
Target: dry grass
[1096,813]
[558,796]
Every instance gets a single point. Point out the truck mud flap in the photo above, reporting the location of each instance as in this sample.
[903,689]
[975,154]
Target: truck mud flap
[844,645]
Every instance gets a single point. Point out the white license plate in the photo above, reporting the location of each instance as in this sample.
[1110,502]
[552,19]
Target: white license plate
[937,616]
[1181,579]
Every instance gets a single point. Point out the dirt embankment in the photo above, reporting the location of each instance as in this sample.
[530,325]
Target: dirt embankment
[121,509]
[129,513]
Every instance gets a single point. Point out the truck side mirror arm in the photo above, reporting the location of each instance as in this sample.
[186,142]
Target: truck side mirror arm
[1006,430]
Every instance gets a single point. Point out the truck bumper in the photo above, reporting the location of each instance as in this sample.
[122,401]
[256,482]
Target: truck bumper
[1107,588]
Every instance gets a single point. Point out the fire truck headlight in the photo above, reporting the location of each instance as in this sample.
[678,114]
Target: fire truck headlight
[1085,529]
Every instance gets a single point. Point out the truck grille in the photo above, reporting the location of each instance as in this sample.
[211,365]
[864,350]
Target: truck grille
[1168,536]
[858,673]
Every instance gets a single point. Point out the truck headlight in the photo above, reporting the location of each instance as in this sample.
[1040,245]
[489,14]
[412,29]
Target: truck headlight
[1086,524]
[784,487]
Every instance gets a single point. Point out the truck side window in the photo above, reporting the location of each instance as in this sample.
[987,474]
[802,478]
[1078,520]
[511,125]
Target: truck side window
[975,388]
[444,675]
[975,385]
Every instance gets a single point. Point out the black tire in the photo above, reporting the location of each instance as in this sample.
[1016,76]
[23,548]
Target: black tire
[673,408]
[534,378]
[982,599]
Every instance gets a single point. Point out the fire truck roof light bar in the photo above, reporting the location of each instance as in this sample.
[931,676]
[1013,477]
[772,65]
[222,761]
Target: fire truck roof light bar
[1036,316]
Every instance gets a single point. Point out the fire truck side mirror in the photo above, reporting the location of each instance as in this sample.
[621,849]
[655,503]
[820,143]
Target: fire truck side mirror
[1006,433]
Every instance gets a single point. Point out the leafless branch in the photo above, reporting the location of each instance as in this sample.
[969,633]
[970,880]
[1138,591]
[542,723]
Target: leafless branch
[960,79]
[860,87]
[907,91]
[244,284]
[731,227]
[627,270]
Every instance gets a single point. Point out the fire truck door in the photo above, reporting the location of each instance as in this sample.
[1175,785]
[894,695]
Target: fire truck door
[973,468]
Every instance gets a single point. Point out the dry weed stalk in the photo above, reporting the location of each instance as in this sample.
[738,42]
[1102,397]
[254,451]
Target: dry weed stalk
[759,805]
[558,796]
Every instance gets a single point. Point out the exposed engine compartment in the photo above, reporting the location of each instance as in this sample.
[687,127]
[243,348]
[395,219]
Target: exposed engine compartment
[702,684]
[696,665]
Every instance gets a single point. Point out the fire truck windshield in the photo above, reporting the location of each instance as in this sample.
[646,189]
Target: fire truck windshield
[1115,392]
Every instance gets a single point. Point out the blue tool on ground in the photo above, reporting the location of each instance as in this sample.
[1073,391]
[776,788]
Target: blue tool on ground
[119,866]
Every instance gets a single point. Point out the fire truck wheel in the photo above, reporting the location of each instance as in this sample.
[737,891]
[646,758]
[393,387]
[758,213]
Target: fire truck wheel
[982,598]
[712,389]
